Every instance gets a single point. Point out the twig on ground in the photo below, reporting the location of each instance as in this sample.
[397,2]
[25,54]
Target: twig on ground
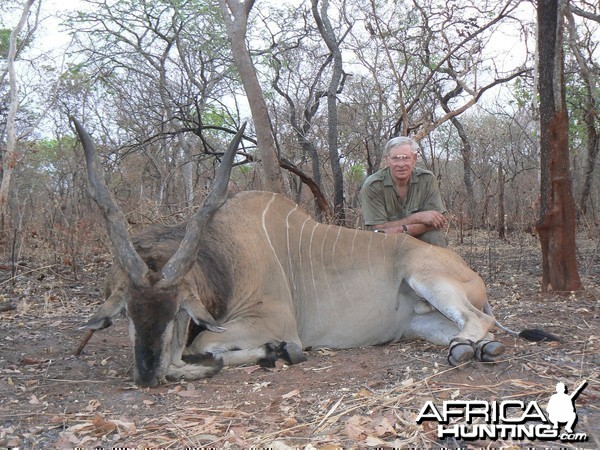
[84,342]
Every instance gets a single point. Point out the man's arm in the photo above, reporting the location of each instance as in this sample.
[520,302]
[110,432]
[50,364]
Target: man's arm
[431,214]
[429,218]
[416,224]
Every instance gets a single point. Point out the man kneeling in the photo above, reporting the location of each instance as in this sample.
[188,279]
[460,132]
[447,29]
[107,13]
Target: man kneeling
[402,198]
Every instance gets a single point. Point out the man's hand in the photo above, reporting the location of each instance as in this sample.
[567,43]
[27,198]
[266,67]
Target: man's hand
[418,223]
[432,218]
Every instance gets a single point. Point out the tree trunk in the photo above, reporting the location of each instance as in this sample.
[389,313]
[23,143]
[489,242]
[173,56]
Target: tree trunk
[466,152]
[593,148]
[301,130]
[9,158]
[591,117]
[235,15]
[309,148]
[556,224]
[187,171]
[328,35]
[320,200]
[501,211]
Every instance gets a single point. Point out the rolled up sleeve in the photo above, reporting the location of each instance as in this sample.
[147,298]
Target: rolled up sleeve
[373,205]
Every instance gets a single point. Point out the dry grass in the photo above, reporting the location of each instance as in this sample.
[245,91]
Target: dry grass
[354,398]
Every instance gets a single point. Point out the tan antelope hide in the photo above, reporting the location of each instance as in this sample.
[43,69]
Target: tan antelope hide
[254,278]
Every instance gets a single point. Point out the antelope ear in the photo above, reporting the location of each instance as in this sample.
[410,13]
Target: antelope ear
[103,318]
[200,314]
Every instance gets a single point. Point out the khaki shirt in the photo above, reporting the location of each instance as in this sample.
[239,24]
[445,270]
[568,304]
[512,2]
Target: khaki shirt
[380,201]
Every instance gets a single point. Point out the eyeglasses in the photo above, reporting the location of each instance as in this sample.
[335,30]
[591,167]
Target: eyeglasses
[400,159]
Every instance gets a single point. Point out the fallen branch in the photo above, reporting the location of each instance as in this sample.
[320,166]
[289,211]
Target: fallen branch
[7,307]
[84,342]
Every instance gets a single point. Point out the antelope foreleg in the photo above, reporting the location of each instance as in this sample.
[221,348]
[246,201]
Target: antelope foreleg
[194,368]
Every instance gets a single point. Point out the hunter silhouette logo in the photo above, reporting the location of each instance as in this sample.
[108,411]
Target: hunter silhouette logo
[561,406]
[508,419]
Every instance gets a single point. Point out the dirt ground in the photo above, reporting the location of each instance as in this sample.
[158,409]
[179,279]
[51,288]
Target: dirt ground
[366,397]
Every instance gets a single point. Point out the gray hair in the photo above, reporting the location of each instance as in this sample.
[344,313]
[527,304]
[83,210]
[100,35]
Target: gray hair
[398,142]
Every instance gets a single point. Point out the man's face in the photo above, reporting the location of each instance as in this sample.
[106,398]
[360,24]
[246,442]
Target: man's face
[401,161]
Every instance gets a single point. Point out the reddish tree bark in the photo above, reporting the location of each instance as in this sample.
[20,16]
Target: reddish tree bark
[556,225]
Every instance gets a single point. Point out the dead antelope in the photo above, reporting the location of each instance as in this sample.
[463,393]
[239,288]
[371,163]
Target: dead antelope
[254,278]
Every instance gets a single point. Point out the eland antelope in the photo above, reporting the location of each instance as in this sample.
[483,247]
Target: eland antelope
[252,278]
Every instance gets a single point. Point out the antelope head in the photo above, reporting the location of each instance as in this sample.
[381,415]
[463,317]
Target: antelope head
[153,299]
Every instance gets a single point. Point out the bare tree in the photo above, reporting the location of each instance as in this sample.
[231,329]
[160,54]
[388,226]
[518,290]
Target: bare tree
[235,15]
[321,16]
[163,69]
[501,208]
[302,123]
[588,72]
[557,219]
[9,158]
[466,149]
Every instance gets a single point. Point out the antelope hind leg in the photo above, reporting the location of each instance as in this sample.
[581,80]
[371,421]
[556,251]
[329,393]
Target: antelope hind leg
[437,329]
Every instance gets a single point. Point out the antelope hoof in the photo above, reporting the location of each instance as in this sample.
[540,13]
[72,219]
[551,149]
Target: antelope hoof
[292,353]
[272,352]
[489,351]
[460,351]
[288,351]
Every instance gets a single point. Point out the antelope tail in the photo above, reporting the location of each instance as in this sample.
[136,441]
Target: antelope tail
[529,334]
